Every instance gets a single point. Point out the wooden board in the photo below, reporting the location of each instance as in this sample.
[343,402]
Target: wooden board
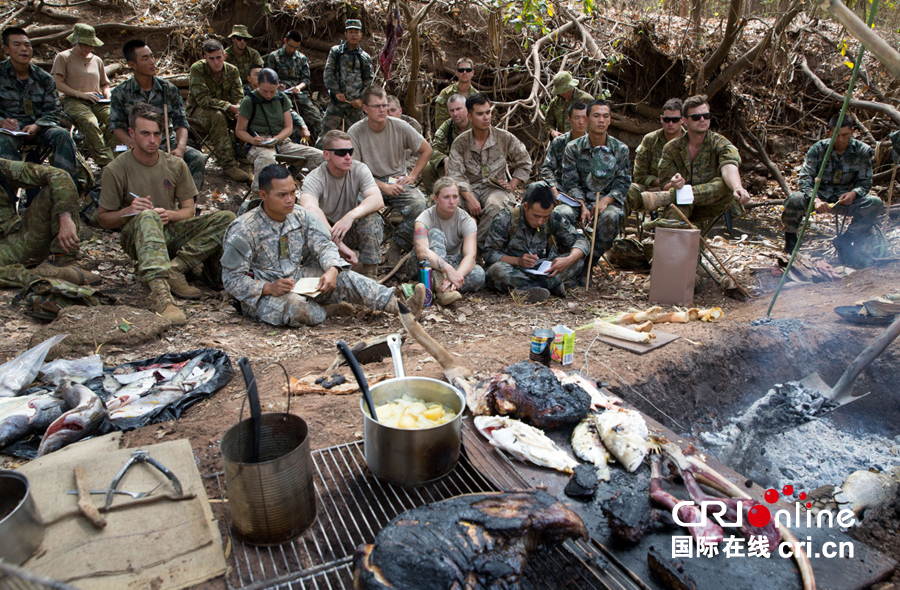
[662,338]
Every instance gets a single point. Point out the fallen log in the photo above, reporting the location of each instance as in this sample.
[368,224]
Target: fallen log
[105,27]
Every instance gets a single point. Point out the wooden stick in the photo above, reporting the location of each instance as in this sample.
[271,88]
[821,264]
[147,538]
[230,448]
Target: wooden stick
[85,504]
[166,128]
[587,282]
[402,261]
[887,216]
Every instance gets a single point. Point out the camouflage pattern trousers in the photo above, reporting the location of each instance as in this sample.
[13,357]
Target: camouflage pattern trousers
[505,277]
[863,210]
[30,237]
[365,236]
[430,175]
[608,226]
[340,116]
[153,245]
[492,200]
[296,310]
[410,203]
[437,241]
[311,114]
[633,200]
[218,125]
[55,139]
[710,200]
[92,120]
[263,156]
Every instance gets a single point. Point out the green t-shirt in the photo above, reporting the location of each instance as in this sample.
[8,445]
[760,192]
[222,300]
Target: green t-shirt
[269,116]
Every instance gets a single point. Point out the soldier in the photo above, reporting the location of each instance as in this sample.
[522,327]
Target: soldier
[447,237]
[529,234]
[301,132]
[380,142]
[239,55]
[348,71]
[703,159]
[81,78]
[29,107]
[456,125]
[331,193]
[48,226]
[551,169]
[292,68]
[465,70]
[271,247]
[144,86]
[480,160]
[597,173]
[264,122]
[214,99]
[150,195]
[565,92]
[646,160]
[844,189]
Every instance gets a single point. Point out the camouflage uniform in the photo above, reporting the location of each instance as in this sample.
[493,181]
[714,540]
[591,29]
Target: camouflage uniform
[208,102]
[437,242]
[646,168]
[129,92]
[588,171]
[443,139]
[895,146]
[92,119]
[258,250]
[554,239]
[557,116]
[34,102]
[32,235]
[348,73]
[296,120]
[293,70]
[251,57]
[711,195]
[472,169]
[441,112]
[551,169]
[850,171]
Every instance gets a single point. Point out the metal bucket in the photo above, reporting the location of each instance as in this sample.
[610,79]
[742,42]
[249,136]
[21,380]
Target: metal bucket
[21,528]
[273,500]
[413,456]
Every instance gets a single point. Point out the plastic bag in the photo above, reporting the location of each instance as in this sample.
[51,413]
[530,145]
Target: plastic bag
[17,374]
[77,370]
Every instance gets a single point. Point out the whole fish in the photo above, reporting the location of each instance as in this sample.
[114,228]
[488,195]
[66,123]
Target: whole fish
[624,433]
[162,394]
[588,447]
[21,416]
[524,442]
[80,422]
[598,398]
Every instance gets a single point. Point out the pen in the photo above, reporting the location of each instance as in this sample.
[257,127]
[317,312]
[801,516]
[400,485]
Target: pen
[134,195]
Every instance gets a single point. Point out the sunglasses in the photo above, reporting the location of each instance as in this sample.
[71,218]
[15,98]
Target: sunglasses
[698,116]
[340,152]
[671,119]
[465,70]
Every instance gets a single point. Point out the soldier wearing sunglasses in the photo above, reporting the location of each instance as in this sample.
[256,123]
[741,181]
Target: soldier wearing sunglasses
[465,69]
[646,159]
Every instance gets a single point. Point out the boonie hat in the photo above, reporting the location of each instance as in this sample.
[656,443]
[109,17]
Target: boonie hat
[353,23]
[563,82]
[84,34]
[240,31]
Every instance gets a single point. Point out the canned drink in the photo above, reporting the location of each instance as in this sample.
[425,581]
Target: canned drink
[541,340]
[425,279]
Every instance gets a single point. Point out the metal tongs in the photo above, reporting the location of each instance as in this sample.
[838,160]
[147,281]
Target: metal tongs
[141,457]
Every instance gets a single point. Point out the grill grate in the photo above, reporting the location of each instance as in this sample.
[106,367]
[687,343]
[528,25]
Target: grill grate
[353,505]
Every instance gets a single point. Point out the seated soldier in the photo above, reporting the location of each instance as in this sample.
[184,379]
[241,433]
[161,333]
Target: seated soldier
[300,134]
[447,237]
[646,160]
[527,235]
[465,71]
[481,160]
[597,173]
[565,92]
[144,86]
[150,195]
[456,125]
[264,123]
[844,189]
[551,169]
[215,94]
[48,226]
[292,68]
[239,54]
[380,142]
[29,107]
[331,193]
[268,249]
[81,78]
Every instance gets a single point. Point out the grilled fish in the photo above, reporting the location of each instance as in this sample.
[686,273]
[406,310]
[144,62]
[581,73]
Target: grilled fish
[588,447]
[624,433]
[21,416]
[80,422]
[598,398]
[525,443]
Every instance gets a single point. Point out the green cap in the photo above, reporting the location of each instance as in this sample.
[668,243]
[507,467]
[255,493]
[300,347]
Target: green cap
[240,31]
[563,82]
[84,34]
[353,23]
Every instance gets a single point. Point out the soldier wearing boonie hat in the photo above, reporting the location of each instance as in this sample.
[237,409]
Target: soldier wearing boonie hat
[348,71]
[239,54]
[565,92]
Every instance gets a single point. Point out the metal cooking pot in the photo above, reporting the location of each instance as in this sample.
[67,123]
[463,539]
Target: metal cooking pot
[21,528]
[413,456]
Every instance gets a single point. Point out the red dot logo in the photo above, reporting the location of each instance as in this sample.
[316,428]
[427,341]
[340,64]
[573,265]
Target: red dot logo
[787,490]
[759,515]
[802,495]
[771,496]
[809,504]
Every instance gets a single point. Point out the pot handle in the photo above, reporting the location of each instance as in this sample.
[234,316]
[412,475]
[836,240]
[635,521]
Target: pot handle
[253,383]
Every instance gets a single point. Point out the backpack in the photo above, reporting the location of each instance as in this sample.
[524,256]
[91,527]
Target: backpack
[43,298]
[630,254]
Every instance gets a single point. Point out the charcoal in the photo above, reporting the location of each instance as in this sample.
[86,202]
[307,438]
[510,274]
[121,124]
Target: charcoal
[670,571]
[583,483]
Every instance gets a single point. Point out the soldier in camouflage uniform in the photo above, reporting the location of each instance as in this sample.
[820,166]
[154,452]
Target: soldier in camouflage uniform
[465,69]
[239,55]
[293,71]
[145,87]
[844,189]
[529,233]
[300,132]
[348,71]
[646,160]
[29,104]
[48,226]
[271,247]
[551,169]
[456,125]
[565,92]
[215,97]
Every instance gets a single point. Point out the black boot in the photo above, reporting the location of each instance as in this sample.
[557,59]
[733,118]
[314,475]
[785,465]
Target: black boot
[790,242]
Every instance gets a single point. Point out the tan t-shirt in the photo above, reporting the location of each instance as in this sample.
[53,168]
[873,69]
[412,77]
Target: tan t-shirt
[384,152]
[83,76]
[167,182]
[337,196]
[455,229]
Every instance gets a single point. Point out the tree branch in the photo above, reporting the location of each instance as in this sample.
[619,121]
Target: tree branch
[878,46]
[732,31]
[106,27]
[760,153]
[866,105]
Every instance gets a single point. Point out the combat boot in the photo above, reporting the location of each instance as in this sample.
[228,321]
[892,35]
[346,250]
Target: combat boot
[370,271]
[178,284]
[71,274]
[653,200]
[162,303]
[444,298]
[237,173]
[532,295]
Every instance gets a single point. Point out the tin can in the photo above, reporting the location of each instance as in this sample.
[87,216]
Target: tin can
[425,279]
[541,340]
